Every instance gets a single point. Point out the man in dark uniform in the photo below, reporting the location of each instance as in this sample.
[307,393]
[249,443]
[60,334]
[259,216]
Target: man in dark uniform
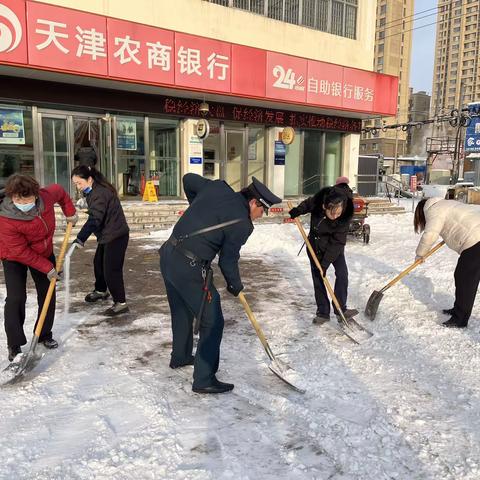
[218,221]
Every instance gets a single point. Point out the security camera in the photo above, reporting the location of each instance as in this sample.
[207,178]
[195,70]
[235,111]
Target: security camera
[204,108]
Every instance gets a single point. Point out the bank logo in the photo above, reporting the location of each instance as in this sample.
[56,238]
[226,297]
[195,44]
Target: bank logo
[10,30]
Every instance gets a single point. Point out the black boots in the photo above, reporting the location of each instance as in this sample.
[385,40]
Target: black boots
[320,319]
[116,309]
[13,351]
[95,296]
[50,343]
[452,323]
[448,311]
[189,361]
[215,387]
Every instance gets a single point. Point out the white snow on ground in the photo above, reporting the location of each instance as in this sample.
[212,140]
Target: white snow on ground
[403,405]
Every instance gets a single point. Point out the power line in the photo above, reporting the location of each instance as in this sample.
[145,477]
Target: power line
[409,21]
[427,25]
[413,15]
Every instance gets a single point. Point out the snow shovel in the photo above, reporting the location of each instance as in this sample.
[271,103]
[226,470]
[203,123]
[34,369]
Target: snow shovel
[282,370]
[29,361]
[376,297]
[347,327]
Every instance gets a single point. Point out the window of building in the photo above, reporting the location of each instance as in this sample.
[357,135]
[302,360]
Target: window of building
[375,147]
[383,9]
[381,35]
[338,17]
[381,47]
[380,61]
[382,22]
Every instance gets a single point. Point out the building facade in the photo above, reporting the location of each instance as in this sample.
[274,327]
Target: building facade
[393,46]
[124,89]
[418,111]
[456,67]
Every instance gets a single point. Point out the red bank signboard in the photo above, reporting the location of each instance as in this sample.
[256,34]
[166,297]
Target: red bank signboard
[13,35]
[54,38]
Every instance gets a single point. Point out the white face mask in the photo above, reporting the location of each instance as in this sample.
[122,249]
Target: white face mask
[24,207]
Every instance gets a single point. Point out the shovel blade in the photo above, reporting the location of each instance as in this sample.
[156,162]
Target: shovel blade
[16,371]
[287,374]
[373,304]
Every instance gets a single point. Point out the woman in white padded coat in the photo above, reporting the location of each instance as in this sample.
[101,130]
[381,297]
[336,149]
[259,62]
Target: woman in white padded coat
[459,225]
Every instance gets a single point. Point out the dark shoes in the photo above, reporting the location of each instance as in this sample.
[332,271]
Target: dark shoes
[50,343]
[13,351]
[182,364]
[96,295]
[320,319]
[349,313]
[452,323]
[116,309]
[216,387]
[448,311]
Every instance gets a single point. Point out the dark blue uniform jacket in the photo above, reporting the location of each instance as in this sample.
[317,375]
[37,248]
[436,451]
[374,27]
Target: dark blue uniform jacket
[213,202]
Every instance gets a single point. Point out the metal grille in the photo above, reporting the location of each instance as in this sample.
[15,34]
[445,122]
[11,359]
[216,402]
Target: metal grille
[338,17]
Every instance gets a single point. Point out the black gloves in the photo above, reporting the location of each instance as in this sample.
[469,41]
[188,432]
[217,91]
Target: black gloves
[235,290]
[294,212]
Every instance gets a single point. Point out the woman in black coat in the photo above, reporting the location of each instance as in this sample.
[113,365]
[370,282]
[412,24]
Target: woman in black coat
[107,221]
[331,211]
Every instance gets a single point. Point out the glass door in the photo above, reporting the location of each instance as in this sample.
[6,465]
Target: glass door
[234,152]
[55,151]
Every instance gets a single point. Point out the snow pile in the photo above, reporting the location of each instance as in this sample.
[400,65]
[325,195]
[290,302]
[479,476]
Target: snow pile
[403,405]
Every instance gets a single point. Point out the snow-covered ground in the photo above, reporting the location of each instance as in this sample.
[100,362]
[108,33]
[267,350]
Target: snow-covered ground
[403,405]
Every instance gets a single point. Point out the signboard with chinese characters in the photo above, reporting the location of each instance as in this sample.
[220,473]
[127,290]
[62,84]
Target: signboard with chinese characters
[80,43]
[12,130]
[195,151]
[126,134]
[472,134]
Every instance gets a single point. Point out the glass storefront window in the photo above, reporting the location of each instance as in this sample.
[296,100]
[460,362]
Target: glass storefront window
[256,154]
[56,156]
[163,156]
[333,158]
[292,182]
[322,162]
[16,157]
[312,161]
[130,155]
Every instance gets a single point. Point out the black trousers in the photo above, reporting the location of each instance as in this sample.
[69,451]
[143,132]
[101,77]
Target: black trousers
[184,285]
[340,289]
[108,267]
[14,312]
[467,277]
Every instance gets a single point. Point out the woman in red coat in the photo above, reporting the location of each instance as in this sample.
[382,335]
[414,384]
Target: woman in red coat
[27,225]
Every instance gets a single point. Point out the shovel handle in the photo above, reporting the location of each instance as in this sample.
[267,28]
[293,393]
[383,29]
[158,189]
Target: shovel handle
[317,263]
[412,266]
[256,326]
[53,281]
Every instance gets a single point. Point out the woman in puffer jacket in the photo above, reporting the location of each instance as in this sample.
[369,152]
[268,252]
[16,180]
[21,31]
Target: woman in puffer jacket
[459,226]
[27,225]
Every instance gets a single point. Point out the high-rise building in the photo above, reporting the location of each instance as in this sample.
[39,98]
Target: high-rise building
[393,46]
[456,68]
[418,111]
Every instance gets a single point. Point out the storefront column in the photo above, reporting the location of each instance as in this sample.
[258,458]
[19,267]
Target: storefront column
[192,151]
[351,148]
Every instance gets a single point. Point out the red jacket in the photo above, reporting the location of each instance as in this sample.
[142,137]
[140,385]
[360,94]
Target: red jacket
[28,237]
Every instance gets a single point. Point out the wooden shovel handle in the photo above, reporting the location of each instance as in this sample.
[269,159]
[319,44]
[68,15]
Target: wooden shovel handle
[53,281]
[256,325]
[411,267]
[317,263]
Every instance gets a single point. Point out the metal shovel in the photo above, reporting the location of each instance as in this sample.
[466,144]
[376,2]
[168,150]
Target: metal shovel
[281,369]
[376,297]
[17,370]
